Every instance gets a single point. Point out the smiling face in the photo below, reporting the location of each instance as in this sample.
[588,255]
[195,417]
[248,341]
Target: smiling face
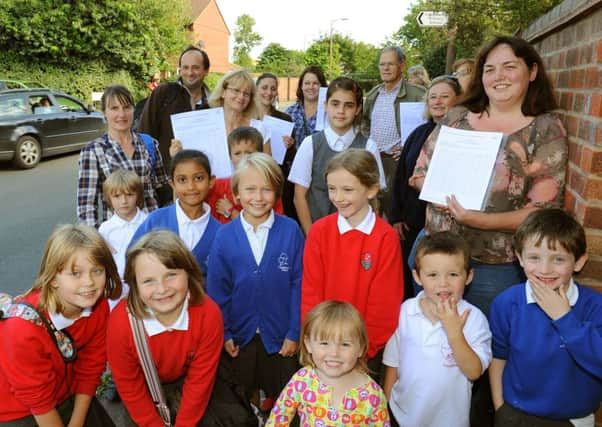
[267,90]
[310,87]
[240,149]
[124,204]
[192,70]
[506,77]
[441,96]
[161,289]
[442,276]
[79,284]
[342,109]
[119,116]
[552,267]
[191,184]
[237,97]
[349,195]
[333,357]
[256,196]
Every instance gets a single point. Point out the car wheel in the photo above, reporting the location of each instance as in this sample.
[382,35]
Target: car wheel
[27,152]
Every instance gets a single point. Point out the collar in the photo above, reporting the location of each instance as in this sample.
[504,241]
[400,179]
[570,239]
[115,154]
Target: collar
[184,220]
[394,90]
[154,327]
[61,322]
[120,222]
[572,293]
[366,226]
[333,137]
[266,224]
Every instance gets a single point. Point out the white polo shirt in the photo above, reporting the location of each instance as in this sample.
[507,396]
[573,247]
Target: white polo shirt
[431,390]
[191,230]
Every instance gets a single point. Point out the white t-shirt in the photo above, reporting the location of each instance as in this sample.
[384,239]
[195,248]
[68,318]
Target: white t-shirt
[301,168]
[431,390]
[191,230]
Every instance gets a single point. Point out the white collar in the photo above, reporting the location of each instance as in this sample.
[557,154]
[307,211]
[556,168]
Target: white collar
[154,327]
[61,322]
[572,293]
[366,226]
[266,224]
[333,137]
[184,219]
[122,222]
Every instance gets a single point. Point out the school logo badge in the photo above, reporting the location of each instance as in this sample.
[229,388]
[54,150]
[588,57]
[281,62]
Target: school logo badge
[366,260]
[283,262]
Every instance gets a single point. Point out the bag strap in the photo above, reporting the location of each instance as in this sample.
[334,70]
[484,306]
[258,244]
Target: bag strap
[149,369]
[23,310]
[150,147]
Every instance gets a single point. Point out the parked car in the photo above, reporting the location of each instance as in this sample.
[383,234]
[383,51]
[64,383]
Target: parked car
[37,123]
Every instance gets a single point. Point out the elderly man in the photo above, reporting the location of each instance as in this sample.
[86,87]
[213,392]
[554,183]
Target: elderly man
[380,119]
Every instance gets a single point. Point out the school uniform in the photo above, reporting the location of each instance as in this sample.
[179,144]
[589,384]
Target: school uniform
[197,234]
[188,350]
[255,277]
[360,265]
[34,378]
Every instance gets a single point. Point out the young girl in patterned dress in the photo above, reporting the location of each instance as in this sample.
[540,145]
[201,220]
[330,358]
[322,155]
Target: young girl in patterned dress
[333,386]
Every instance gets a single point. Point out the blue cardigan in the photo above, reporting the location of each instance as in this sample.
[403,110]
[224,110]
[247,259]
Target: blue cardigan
[553,368]
[166,219]
[265,296]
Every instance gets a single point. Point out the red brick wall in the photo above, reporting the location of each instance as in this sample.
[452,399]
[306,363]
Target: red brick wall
[570,42]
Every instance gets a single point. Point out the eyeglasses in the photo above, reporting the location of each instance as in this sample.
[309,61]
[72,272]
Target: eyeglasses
[238,92]
[461,73]
[448,78]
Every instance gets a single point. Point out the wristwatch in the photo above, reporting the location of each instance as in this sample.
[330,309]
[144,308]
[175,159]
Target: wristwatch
[228,213]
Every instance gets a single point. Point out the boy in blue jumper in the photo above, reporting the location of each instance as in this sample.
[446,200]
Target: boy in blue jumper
[254,274]
[547,332]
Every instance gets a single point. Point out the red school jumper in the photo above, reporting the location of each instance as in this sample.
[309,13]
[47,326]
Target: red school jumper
[192,354]
[364,270]
[34,379]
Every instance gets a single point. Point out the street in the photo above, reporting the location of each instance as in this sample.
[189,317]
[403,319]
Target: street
[32,203]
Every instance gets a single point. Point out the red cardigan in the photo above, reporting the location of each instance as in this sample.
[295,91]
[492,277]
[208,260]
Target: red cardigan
[193,354]
[34,379]
[364,270]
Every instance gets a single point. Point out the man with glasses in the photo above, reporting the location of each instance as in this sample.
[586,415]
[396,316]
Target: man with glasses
[380,120]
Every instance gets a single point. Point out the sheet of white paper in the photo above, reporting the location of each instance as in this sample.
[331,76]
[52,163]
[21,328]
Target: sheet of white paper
[411,115]
[205,130]
[278,128]
[462,165]
[321,118]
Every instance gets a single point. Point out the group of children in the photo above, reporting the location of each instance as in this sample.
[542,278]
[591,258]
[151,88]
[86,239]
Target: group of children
[254,291]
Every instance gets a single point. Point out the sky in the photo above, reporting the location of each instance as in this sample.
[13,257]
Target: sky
[295,24]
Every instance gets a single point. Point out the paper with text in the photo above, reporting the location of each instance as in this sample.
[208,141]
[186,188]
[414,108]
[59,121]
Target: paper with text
[321,117]
[411,115]
[205,130]
[278,128]
[462,165]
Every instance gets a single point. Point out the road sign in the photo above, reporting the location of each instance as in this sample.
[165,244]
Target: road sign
[432,19]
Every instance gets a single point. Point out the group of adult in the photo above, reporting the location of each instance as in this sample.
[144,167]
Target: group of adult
[505,90]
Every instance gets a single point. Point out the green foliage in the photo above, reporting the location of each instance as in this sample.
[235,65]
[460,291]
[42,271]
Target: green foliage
[276,59]
[471,23]
[122,34]
[211,80]
[244,41]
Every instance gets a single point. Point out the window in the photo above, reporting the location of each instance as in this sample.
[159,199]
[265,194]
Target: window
[68,104]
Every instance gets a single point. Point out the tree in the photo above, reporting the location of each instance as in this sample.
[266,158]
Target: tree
[276,59]
[245,40]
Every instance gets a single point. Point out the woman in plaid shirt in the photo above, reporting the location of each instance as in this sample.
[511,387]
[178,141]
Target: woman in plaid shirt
[119,148]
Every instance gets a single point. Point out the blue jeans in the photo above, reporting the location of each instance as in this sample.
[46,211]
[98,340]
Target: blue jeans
[488,281]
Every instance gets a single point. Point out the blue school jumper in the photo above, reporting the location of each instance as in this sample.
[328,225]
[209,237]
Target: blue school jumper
[265,296]
[166,219]
[553,368]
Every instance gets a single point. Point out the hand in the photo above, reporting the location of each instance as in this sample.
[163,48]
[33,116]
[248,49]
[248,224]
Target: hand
[396,152]
[288,348]
[223,205]
[457,211]
[231,348]
[175,147]
[289,141]
[554,303]
[452,322]
[401,228]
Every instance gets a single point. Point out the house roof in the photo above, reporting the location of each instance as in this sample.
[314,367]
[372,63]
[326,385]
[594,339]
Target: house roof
[198,6]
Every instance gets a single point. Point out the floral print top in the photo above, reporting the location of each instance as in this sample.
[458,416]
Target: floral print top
[306,395]
[530,171]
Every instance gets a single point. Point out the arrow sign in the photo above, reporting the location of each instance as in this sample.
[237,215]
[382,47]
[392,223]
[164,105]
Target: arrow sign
[432,19]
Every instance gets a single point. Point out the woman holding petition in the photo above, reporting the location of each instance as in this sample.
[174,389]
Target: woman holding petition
[304,111]
[119,148]
[407,211]
[511,94]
